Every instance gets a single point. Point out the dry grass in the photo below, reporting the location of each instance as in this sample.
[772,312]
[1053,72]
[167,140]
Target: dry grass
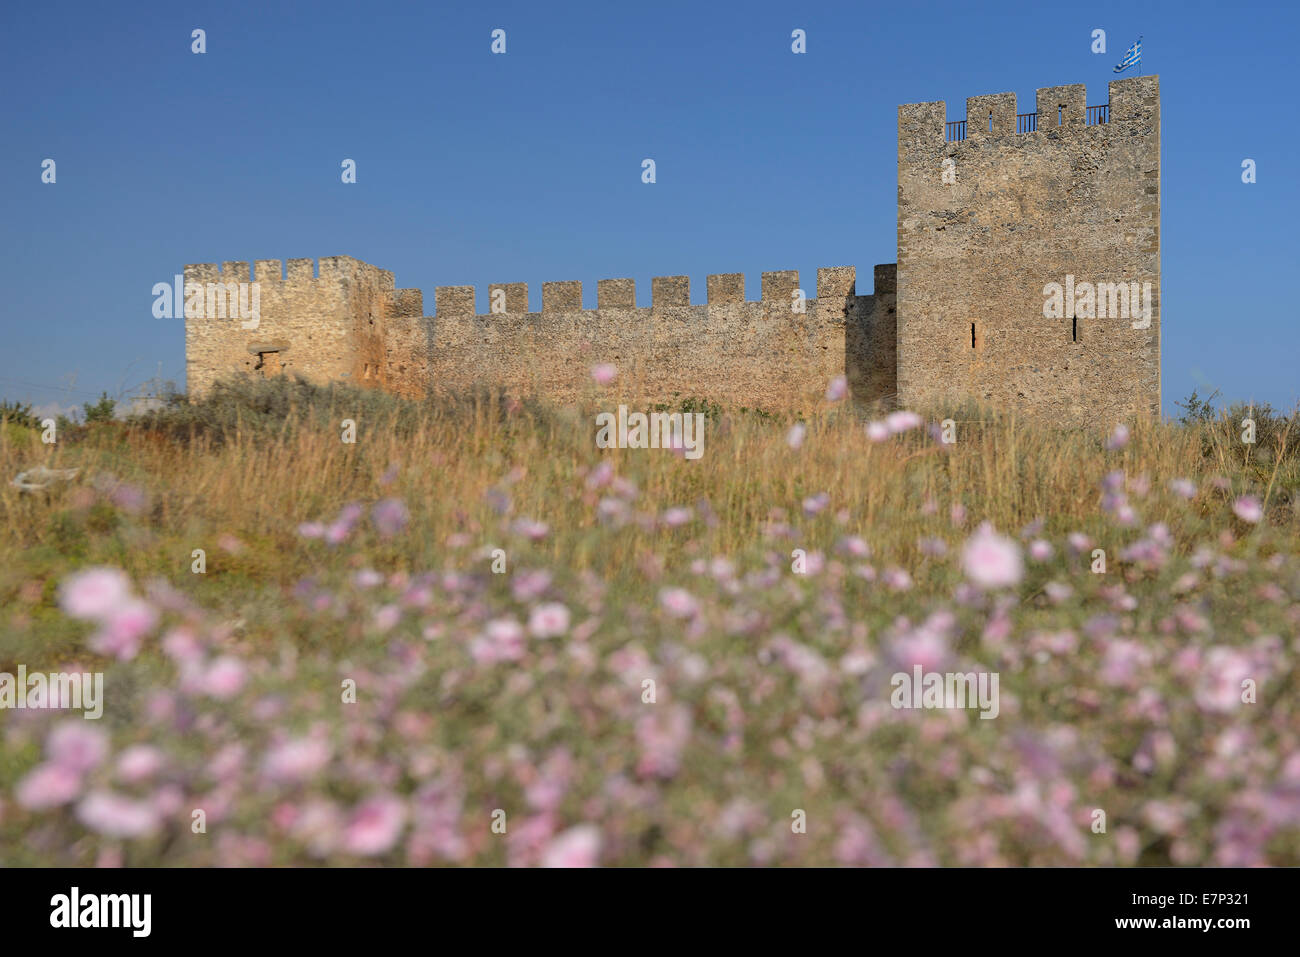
[259,483]
[773,685]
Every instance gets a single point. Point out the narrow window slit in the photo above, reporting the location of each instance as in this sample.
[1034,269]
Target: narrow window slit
[1074,331]
[972,335]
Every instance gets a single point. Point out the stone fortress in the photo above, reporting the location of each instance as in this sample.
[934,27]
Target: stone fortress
[991,210]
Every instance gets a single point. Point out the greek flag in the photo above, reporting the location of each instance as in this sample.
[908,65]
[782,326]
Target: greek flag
[1134,55]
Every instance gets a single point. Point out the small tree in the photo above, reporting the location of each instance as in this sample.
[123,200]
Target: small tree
[19,413]
[1196,408]
[101,411]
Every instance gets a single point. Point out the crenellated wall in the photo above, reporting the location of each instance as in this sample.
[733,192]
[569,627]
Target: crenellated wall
[1064,191]
[327,326]
[760,354]
[351,323]
[991,210]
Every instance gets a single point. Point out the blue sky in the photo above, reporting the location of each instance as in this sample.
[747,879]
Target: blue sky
[475,168]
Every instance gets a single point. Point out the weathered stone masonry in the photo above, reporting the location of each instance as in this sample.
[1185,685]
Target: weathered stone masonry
[1069,197]
[1028,199]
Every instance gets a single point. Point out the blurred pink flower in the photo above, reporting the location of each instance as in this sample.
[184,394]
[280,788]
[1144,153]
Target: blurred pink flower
[1248,509]
[318,825]
[794,438]
[284,815]
[123,629]
[375,825]
[48,785]
[527,839]
[1118,438]
[225,677]
[815,504]
[722,569]
[139,763]
[386,617]
[662,734]
[116,816]
[229,543]
[857,844]
[877,431]
[343,526]
[367,578]
[1058,591]
[312,530]
[1222,674]
[992,561]
[546,791]
[94,593]
[678,602]
[182,645]
[1183,488]
[77,746]
[227,763]
[502,640]
[604,373]
[677,516]
[837,389]
[805,662]
[390,516]
[298,759]
[577,847]
[1040,551]
[855,546]
[1165,817]
[548,620]
[531,529]
[530,584]
[1121,662]
[902,420]
[168,799]
[925,647]
[600,476]
[897,579]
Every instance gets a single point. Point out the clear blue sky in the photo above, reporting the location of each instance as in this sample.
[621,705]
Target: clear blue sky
[475,168]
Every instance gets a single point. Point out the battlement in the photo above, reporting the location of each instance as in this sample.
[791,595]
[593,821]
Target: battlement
[993,210]
[1057,109]
[310,277]
[667,292]
[324,319]
[777,351]
[304,273]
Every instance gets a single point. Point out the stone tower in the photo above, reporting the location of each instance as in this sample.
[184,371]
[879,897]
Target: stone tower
[324,327]
[1028,275]
[994,209]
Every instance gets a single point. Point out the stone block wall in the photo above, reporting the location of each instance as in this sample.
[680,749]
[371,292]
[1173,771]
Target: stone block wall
[992,211]
[1027,201]
[324,327]
[761,354]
